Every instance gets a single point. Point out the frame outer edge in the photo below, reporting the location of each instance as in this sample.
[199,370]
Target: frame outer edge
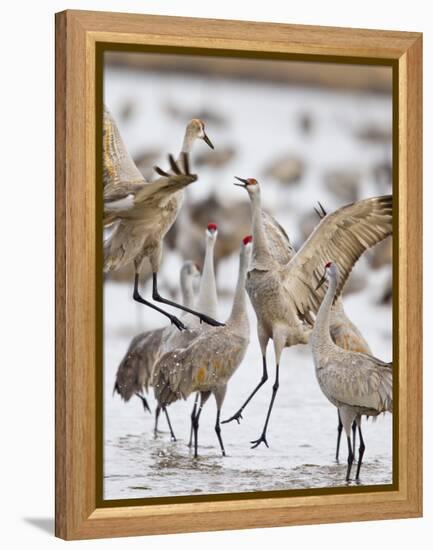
[75,509]
[415,276]
[60,276]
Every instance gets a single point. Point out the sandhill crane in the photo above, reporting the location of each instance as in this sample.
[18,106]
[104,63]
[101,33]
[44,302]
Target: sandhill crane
[345,335]
[283,296]
[144,212]
[209,361]
[134,372]
[356,383]
[207,303]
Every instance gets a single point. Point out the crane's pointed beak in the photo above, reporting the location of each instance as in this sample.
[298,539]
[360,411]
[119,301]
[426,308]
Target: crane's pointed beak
[320,283]
[243,184]
[208,141]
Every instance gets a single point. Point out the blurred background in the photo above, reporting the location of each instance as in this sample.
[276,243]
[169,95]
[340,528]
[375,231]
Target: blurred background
[308,132]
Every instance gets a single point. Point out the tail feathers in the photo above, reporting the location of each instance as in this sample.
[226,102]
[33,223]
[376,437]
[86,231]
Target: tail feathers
[165,391]
[130,378]
[385,388]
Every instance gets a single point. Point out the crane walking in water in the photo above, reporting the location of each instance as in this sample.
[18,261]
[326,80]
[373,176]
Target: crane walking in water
[209,361]
[356,383]
[135,370]
[283,295]
[143,212]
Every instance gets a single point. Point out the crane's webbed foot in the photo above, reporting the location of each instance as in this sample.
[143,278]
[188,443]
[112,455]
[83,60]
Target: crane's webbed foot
[144,402]
[257,442]
[237,416]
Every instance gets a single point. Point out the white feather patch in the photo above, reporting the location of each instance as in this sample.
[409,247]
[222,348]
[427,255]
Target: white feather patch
[122,204]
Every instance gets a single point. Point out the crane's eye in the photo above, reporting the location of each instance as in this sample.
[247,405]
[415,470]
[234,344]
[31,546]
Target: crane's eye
[328,265]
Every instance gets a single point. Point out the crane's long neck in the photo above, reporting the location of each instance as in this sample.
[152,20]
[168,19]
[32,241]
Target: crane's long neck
[207,298]
[188,142]
[238,319]
[321,335]
[187,290]
[262,258]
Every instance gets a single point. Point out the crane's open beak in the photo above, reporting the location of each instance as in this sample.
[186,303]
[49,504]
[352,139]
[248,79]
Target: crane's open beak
[208,141]
[320,283]
[243,184]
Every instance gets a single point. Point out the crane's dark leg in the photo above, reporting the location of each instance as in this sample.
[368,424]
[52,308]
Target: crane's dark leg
[204,396]
[144,402]
[138,298]
[172,436]
[262,438]
[204,318]
[193,412]
[349,458]
[354,426]
[238,415]
[339,430]
[157,412]
[361,451]
[218,432]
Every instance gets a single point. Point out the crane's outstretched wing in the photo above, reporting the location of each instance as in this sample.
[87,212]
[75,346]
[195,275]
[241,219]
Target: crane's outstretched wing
[169,182]
[340,237]
[120,174]
[279,243]
[150,195]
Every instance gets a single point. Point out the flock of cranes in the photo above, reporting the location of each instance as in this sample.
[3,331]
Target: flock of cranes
[198,354]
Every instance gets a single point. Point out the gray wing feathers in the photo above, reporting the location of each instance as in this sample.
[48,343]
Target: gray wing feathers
[208,361]
[135,369]
[340,237]
[365,383]
[120,174]
[279,243]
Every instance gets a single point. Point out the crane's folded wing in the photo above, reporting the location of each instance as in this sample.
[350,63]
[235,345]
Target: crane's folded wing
[366,384]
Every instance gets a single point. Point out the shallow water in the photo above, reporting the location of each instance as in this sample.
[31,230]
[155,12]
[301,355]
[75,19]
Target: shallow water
[302,430]
[301,436]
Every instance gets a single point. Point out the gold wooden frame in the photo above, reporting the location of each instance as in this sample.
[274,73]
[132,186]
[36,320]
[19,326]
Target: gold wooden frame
[78,36]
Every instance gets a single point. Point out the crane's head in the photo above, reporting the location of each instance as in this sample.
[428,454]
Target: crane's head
[212,231]
[246,249]
[250,184]
[196,128]
[331,269]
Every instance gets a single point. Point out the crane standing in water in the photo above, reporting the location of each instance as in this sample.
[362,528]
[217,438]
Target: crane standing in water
[356,383]
[135,370]
[346,335]
[207,303]
[283,296]
[208,362]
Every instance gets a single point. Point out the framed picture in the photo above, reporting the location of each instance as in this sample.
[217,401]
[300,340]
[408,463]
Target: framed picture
[223,188]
